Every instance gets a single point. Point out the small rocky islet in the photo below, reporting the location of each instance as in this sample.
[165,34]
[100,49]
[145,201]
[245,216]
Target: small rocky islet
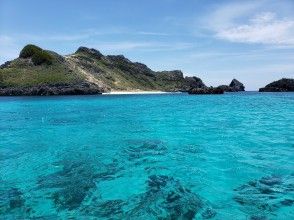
[39,72]
[282,85]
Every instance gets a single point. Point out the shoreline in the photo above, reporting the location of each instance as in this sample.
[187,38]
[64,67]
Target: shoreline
[135,92]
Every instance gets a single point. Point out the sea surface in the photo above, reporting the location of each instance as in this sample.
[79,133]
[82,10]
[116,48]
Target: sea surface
[167,156]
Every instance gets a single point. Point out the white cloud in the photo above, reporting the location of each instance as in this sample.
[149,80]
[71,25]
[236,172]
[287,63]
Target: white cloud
[252,22]
[264,28]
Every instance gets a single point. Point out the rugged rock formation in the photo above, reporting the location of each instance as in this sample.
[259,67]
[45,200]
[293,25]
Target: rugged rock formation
[235,86]
[206,91]
[282,85]
[192,83]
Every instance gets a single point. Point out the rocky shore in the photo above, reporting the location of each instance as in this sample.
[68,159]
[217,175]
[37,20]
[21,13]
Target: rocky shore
[50,90]
[206,91]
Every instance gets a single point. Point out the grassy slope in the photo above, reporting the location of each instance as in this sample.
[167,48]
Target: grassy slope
[114,72]
[125,75]
[22,73]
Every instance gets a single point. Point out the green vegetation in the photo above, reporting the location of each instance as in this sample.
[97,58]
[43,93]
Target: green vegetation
[86,65]
[118,73]
[38,55]
[21,75]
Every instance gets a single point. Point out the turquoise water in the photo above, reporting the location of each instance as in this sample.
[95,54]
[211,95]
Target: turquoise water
[147,157]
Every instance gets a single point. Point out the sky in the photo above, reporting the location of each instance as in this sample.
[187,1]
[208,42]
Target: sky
[217,41]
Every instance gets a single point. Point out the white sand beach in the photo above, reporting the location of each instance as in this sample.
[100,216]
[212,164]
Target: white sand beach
[135,92]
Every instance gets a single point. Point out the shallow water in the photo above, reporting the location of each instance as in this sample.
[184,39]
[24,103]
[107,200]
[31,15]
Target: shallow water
[170,156]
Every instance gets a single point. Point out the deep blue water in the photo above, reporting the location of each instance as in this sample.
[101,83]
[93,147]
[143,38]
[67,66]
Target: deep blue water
[147,157]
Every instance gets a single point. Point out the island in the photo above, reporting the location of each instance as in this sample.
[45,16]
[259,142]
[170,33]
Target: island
[282,85]
[39,72]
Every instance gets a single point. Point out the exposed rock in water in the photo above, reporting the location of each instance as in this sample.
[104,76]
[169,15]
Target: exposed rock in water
[282,85]
[235,86]
[206,91]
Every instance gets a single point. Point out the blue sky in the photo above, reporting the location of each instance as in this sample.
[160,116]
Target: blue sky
[252,41]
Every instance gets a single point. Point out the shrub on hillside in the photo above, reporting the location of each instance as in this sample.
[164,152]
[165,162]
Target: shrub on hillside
[41,57]
[38,55]
[29,50]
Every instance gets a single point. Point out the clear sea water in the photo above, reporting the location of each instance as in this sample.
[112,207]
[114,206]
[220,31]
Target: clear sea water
[146,157]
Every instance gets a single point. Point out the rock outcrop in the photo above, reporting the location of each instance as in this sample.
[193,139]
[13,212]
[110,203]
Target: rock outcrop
[235,86]
[89,51]
[195,86]
[282,85]
[193,83]
[50,90]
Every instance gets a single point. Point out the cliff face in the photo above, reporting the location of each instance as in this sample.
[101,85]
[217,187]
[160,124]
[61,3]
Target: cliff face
[87,71]
[282,85]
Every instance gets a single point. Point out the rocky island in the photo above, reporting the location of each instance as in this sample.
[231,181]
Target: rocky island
[282,85]
[235,86]
[87,71]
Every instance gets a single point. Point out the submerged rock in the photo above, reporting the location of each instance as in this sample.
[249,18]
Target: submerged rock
[271,180]
[206,91]
[72,183]
[166,198]
[10,199]
[144,151]
[13,204]
[282,85]
[265,196]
